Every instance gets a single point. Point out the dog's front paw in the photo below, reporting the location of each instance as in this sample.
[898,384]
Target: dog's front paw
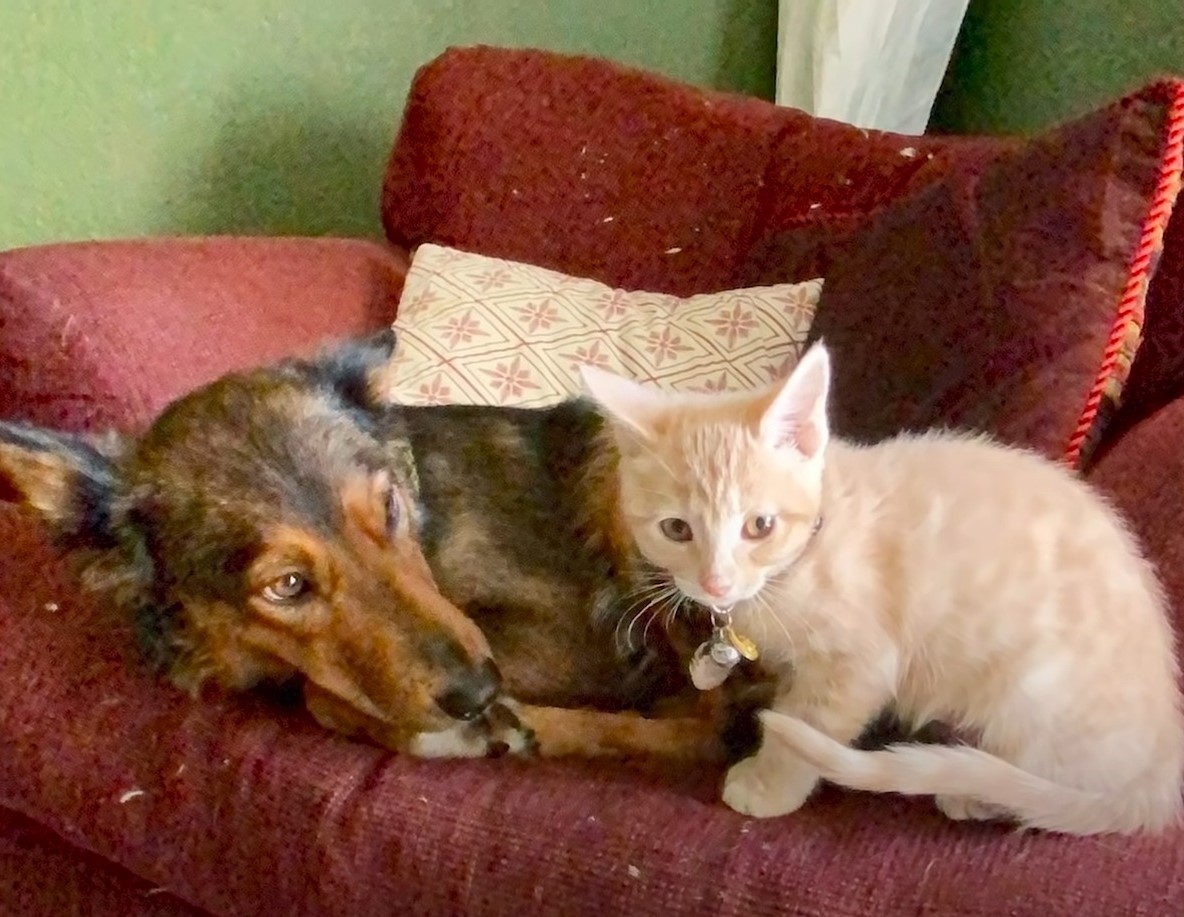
[462,740]
[507,730]
[764,787]
[498,731]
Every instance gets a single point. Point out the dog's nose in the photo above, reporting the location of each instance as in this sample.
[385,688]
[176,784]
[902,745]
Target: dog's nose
[468,697]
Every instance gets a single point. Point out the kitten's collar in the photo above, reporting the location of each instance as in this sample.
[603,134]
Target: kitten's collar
[811,538]
[720,653]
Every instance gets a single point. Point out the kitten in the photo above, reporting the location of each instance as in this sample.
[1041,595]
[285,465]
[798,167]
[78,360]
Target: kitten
[951,580]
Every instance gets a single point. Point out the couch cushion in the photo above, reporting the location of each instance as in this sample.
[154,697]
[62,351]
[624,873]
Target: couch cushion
[239,806]
[1010,297]
[43,876]
[102,334]
[479,330]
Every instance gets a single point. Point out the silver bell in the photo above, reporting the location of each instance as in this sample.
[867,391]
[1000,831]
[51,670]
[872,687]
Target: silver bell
[723,652]
[705,672]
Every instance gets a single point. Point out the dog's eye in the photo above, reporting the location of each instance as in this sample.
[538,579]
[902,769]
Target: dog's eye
[676,529]
[286,589]
[758,527]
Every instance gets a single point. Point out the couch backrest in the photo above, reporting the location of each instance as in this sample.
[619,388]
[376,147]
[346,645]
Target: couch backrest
[595,169]
[603,171]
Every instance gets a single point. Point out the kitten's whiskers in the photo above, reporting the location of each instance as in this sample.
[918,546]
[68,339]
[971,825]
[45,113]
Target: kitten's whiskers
[655,591]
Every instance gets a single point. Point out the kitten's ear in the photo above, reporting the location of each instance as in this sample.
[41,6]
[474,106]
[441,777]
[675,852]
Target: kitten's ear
[795,414]
[630,403]
[67,480]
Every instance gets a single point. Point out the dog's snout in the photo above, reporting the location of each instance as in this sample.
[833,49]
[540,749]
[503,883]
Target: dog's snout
[469,696]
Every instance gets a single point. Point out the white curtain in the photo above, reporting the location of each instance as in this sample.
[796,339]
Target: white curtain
[871,63]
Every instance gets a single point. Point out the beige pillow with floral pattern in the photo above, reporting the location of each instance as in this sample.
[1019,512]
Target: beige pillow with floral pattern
[479,330]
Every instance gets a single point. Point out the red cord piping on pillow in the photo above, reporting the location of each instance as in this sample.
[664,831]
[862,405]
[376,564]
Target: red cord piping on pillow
[1131,305]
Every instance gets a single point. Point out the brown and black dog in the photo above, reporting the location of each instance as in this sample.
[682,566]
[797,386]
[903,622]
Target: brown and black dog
[448,581]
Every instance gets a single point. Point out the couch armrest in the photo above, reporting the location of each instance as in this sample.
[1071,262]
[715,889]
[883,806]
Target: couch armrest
[1157,375]
[105,334]
[1141,472]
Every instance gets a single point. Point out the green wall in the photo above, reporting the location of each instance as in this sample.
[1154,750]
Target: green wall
[1023,64]
[126,118]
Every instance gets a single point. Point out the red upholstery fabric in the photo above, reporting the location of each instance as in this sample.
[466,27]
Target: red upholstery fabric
[236,806]
[245,809]
[1143,474]
[1157,376]
[103,334]
[1003,299]
[43,876]
[600,171]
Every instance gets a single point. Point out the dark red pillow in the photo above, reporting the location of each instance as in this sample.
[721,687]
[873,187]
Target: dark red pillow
[1009,297]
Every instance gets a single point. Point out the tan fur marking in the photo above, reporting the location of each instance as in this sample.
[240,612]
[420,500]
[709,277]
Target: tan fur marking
[44,481]
[604,524]
[594,734]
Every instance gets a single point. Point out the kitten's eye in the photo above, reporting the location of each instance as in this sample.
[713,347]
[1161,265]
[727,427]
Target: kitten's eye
[286,589]
[758,527]
[676,529]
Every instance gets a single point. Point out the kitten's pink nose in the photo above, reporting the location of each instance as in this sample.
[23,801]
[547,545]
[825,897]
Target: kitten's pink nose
[715,585]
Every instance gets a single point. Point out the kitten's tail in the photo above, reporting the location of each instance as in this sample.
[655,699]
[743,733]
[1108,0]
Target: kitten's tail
[922,770]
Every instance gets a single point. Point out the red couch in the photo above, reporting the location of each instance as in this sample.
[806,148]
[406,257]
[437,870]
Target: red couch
[120,796]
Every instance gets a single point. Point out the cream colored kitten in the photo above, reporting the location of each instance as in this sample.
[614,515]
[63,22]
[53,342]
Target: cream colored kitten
[951,579]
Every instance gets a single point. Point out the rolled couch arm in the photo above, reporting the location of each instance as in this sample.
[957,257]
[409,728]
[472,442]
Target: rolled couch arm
[104,334]
[1141,472]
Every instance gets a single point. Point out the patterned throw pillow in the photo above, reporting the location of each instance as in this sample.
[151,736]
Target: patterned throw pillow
[479,330]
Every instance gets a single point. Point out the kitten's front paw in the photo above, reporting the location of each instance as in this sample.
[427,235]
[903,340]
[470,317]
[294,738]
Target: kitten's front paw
[966,808]
[764,787]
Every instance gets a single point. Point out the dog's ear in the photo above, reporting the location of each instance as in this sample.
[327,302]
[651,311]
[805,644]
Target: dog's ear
[67,480]
[350,368]
[71,483]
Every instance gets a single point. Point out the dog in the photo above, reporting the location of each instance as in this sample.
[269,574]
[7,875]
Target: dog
[444,581]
